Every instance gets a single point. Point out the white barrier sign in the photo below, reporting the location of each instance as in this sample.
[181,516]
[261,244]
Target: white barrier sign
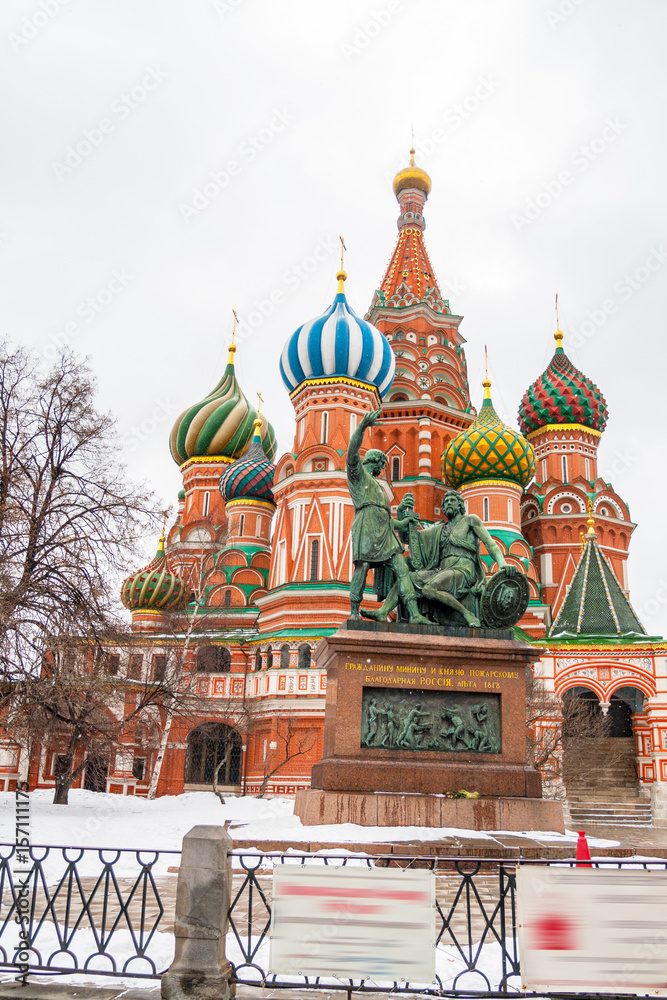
[353,923]
[592,929]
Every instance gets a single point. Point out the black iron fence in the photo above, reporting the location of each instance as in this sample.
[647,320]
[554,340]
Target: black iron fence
[103,912]
[86,910]
[476,930]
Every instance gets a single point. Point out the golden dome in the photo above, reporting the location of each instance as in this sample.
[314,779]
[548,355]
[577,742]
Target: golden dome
[412,176]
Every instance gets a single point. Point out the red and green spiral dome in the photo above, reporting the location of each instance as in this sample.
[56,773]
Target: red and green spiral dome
[562,395]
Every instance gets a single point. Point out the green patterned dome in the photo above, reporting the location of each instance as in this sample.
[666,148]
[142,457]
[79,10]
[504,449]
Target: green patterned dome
[488,449]
[562,395]
[154,587]
[221,425]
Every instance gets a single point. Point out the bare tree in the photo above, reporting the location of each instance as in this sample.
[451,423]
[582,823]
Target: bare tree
[78,708]
[291,742]
[69,517]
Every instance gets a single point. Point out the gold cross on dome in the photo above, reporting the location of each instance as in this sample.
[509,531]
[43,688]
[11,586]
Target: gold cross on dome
[343,248]
[260,400]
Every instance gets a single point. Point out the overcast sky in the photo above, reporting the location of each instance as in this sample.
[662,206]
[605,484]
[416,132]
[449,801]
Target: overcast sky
[164,162]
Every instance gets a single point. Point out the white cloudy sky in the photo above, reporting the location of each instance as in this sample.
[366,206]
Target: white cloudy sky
[541,123]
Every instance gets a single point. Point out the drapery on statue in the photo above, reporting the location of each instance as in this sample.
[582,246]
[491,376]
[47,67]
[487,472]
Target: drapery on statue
[374,540]
[447,571]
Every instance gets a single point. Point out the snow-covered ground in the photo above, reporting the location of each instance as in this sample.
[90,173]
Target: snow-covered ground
[111,821]
[93,819]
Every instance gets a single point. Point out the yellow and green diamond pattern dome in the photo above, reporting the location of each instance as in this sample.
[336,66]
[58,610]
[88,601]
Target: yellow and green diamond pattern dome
[488,449]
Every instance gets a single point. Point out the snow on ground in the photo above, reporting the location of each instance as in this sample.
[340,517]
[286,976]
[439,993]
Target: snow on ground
[94,819]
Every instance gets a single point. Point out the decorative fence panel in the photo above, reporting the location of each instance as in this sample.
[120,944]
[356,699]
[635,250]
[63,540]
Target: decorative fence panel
[90,910]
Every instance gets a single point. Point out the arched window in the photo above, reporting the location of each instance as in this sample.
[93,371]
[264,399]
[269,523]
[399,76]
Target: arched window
[284,656]
[353,422]
[269,658]
[544,470]
[210,747]
[587,463]
[304,656]
[258,660]
[207,501]
[314,559]
[258,526]
[325,428]
[241,523]
[227,599]
[485,505]
[564,465]
[395,469]
[213,660]
[400,335]
[510,511]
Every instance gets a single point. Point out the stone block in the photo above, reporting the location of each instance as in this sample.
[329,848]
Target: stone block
[200,970]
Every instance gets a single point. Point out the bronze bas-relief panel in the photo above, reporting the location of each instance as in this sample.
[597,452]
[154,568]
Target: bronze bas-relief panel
[419,720]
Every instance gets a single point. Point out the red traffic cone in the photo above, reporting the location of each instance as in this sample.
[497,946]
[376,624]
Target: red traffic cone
[583,853]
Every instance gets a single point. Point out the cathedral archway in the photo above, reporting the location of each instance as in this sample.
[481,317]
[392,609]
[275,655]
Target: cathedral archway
[209,745]
[623,704]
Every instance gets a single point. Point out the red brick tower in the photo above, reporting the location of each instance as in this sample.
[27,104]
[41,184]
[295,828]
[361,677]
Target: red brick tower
[563,415]
[335,367]
[429,401]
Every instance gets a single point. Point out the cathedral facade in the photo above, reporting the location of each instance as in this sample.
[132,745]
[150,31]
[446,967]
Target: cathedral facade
[255,570]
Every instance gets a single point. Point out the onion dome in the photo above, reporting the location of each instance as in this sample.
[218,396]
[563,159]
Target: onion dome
[338,345]
[221,425]
[412,176]
[250,477]
[562,395]
[488,449]
[154,587]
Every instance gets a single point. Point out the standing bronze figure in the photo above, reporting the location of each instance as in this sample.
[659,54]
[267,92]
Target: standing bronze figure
[374,539]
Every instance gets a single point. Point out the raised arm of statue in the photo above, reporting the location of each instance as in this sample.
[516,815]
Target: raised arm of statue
[352,460]
[357,436]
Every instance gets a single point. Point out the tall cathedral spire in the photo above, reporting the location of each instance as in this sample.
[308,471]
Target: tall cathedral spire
[409,275]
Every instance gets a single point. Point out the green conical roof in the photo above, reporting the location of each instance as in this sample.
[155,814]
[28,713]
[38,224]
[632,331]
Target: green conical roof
[595,606]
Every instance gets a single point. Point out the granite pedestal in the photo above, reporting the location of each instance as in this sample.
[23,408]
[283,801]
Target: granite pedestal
[413,714]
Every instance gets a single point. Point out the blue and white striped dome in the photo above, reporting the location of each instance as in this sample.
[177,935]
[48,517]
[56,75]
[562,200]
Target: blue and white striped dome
[338,344]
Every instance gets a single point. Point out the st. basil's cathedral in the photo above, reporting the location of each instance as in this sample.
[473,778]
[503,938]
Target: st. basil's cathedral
[255,570]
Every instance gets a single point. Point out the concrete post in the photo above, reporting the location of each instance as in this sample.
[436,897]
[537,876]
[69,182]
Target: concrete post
[200,970]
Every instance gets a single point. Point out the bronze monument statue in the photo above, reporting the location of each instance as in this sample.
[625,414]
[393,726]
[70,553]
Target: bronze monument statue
[375,543]
[447,570]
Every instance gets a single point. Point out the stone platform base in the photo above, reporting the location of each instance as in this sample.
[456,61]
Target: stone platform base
[315,807]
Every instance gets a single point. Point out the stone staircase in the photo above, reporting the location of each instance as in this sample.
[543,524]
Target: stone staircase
[608,795]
